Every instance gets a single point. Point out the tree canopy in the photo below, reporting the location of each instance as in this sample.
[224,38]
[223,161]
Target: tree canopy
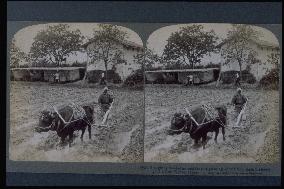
[16,55]
[188,46]
[147,58]
[236,46]
[54,44]
[105,47]
[274,59]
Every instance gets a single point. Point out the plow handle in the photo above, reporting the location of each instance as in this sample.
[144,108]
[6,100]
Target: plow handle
[106,115]
[241,114]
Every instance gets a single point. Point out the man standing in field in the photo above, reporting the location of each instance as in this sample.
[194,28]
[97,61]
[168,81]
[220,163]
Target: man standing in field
[237,82]
[105,100]
[189,80]
[103,82]
[238,100]
[56,77]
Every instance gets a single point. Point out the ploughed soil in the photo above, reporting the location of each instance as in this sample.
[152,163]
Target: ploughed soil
[257,141]
[121,140]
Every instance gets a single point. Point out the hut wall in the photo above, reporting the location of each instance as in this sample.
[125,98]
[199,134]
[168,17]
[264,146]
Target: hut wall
[94,76]
[36,75]
[64,75]
[154,77]
[20,75]
[182,77]
[123,69]
[46,75]
[208,76]
[170,77]
[74,75]
[229,77]
[198,77]
[49,75]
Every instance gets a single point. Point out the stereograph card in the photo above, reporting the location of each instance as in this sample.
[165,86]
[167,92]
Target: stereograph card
[158,99]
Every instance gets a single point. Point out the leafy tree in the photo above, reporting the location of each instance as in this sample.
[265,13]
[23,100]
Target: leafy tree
[147,58]
[236,48]
[188,46]
[16,55]
[54,44]
[274,59]
[105,47]
[272,76]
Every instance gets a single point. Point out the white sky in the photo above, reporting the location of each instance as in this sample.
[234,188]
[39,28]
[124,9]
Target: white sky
[158,39]
[24,37]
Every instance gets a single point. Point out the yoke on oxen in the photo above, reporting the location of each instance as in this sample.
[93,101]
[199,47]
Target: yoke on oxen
[199,116]
[211,114]
[70,112]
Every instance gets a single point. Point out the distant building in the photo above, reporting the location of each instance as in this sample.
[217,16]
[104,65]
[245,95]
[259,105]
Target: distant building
[200,76]
[263,50]
[129,49]
[46,74]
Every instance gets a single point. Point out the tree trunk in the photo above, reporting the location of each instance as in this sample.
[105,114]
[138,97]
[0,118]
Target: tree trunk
[240,64]
[85,75]
[106,71]
[219,78]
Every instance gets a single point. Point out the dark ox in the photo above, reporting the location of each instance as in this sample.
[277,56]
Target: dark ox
[183,123]
[50,121]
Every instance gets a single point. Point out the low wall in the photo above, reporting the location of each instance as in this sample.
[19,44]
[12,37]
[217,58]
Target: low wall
[47,75]
[94,76]
[229,77]
[168,77]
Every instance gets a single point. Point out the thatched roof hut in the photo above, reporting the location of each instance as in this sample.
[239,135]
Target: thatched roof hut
[66,74]
[180,76]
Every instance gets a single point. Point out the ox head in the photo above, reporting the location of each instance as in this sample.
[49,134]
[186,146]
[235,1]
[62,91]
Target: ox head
[222,113]
[178,124]
[46,121]
[89,110]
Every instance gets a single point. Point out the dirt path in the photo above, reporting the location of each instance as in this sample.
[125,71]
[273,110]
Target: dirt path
[256,142]
[107,145]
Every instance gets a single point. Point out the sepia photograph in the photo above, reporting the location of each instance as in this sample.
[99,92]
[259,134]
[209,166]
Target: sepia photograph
[212,94]
[76,93]
[142,93]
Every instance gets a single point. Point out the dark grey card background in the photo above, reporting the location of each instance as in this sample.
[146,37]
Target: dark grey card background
[134,12]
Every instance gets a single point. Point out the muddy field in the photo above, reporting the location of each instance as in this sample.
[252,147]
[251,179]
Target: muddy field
[257,142]
[121,141]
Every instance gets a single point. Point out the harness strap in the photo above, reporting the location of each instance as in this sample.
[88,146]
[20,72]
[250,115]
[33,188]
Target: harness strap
[178,129]
[87,121]
[214,119]
[55,109]
[192,118]
[71,116]
[45,127]
[68,123]
[78,108]
[207,110]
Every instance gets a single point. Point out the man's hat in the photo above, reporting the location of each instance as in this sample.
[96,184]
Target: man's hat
[239,89]
[105,89]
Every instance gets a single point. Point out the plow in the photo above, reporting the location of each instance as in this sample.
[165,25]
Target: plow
[208,114]
[241,116]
